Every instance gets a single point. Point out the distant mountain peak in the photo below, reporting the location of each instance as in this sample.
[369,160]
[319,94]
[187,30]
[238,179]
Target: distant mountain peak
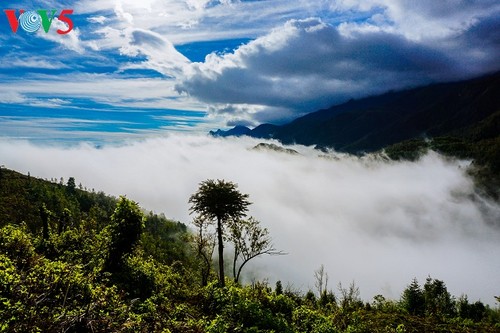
[235,131]
[274,147]
[375,122]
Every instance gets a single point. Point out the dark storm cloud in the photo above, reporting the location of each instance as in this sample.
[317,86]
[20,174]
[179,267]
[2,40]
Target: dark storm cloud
[481,47]
[307,64]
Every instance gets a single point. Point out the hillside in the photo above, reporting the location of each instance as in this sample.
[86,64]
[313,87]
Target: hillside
[370,124]
[23,198]
[57,239]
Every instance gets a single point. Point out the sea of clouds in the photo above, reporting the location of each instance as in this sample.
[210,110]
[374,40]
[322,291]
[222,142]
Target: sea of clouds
[379,223]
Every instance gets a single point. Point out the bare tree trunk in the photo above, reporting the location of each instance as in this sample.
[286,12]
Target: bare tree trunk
[221,253]
[235,259]
[205,272]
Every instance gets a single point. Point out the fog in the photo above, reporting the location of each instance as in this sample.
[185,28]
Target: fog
[377,222]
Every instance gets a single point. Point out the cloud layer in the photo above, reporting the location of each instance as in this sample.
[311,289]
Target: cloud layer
[308,64]
[376,222]
[297,56]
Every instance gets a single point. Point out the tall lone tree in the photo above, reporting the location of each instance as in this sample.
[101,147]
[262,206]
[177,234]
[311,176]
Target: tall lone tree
[220,201]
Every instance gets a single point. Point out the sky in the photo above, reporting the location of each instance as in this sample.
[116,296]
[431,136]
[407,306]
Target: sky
[136,69]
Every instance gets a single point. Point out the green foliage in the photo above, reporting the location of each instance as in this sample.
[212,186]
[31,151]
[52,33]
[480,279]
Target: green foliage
[349,297]
[249,241]
[17,244]
[279,288]
[219,200]
[407,150]
[127,223]
[61,284]
[204,244]
[164,240]
[483,149]
[71,185]
[475,311]
[145,277]
[437,298]
[413,299]
[22,197]
[433,300]
[55,296]
[307,320]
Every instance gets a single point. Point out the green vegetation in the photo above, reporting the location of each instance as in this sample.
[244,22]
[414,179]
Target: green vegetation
[78,261]
[480,143]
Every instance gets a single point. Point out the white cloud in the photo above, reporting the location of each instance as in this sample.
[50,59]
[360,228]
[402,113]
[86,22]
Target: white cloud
[47,103]
[307,64]
[195,20]
[201,20]
[28,61]
[380,223]
[70,40]
[11,96]
[45,129]
[97,19]
[162,55]
[306,54]
[116,90]
[426,19]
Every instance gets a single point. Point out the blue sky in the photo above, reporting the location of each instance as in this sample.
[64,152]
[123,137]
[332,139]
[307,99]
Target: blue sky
[133,69]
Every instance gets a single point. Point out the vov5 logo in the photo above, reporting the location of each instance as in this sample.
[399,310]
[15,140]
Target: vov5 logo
[31,21]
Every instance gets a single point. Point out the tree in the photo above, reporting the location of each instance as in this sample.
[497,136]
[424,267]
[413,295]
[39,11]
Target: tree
[350,298]
[475,311]
[321,280]
[279,288]
[437,298]
[127,223]
[44,216]
[250,240]
[64,220]
[205,245]
[71,185]
[413,299]
[220,201]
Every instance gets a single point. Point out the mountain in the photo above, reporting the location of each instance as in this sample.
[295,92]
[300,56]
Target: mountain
[372,123]
[236,131]
[273,147]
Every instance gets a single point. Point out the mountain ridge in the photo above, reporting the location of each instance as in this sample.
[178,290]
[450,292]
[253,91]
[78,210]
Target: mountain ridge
[372,123]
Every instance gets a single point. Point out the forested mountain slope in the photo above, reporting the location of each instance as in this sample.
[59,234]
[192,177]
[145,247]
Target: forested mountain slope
[372,123]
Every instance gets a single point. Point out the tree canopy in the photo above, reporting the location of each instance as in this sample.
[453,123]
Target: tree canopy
[221,201]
